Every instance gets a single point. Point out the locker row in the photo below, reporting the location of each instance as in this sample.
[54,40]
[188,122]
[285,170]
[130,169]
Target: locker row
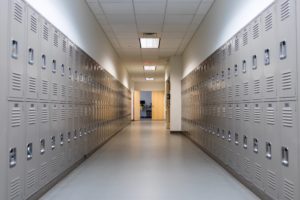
[60,104]
[258,63]
[241,103]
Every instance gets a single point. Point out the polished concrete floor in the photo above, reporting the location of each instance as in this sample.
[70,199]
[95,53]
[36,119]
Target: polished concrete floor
[144,162]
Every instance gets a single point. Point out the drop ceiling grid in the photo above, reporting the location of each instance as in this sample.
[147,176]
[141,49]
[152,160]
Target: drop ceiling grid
[124,20]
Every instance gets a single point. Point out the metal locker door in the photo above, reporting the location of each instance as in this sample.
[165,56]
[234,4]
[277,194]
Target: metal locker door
[44,59]
[238,139]
[269,52]
[15,153]
[257,145]
[61,140]
[272,149]
[44,138]
[32,52]
[17,43]
[70,136]
[63,70]
[31,150]
[288,150]
[70,62]
[256,64]
[236,68]
[287,48]
[76,133]
[54,140]
[55,62]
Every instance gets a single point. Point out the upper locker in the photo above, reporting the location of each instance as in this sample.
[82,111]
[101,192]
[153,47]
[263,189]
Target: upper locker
[286,48]
[17,27]
[55,62]
[63,67]
[32,54]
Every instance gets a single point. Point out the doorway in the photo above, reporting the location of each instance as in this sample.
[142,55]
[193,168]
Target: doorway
[146,105]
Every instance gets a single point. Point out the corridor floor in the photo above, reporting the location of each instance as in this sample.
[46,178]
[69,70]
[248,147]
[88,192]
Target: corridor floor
[145,162]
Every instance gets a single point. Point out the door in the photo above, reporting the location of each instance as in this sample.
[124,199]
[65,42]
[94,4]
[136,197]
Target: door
[137,97]
[158,105]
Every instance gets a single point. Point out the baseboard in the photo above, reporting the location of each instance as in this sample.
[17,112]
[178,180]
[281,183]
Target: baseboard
[261,194]
[176,132]
[61,176]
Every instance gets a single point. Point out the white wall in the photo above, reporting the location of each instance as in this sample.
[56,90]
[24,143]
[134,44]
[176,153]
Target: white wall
[225,18]
[149,86]
[76,21]
[175,67]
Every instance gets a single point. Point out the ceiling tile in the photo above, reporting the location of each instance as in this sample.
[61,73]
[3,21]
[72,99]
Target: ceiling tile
[117,8]
[182,7]
[101,19]
[204,7]
[150,8]
[178,19]
[175,28]
[149,28]
[120,18]
[172,35]
[146,19]
[94,6]
[129,28]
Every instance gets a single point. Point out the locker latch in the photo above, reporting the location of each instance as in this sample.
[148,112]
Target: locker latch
[53,142]
[14,49]
[254,62]
[268,150]
[69,137]
[267,57]
[61,139]
[244,67]
[229,136]
[42,146]
[29,151]
[255,145]
[236,139]
[245,142]
[62,70]
[30,56]
[283,50]
[54,66]
[12,157]
[44,61]
[235,70]
[285,156]
[75,135]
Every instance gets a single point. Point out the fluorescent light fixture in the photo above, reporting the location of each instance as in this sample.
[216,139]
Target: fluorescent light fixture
[149,68]
[149,43]
[149,79]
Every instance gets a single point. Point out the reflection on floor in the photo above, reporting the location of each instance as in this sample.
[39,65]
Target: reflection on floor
[145,162]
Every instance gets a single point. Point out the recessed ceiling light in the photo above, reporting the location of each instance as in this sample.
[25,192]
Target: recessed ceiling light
[149,79]
[149,68]
[149,43]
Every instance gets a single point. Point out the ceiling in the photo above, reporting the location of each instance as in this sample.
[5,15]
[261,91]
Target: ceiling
[175,22]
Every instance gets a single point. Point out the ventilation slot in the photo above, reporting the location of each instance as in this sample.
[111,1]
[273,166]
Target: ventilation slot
[16,82]
[287,117]
[245,38]
[32,115]
[270,116]
[43,172]
[32,85]
[289,190]
[45,32]
[256,88]
[268,22]
[271,180]
[45,87]
[270,84]
[63,90]
[54,89]
[230,93]
[237,90]
[33,24]
[255,31]
[31,179]
[45,114]
[55,114]
[55,40]
[237,113]
[236,44]
[15,189]
[258,172]
[64,46]
[71,51]
[246,113]
[247,165]
[18,12]
[285,10]
[16,116]
[257,115]
[286,81]
[63,114]
[246,88]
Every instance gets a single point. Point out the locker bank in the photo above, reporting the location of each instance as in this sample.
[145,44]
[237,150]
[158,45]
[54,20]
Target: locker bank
[158,100]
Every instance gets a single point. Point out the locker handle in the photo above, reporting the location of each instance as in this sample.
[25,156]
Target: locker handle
[285,156]
[254,62]
[44,61]
[69,137]
[223,134]
[235,70]
[14,49]
[53,142]
[267,57]
[42,146]
[30,56]
[12,157]
[29,151]
[283,50]
[62,70]
[255,145]
[229,136]
[268,150]
[244,67]
[245,142]
[236,139]
[61,139]
[54,66]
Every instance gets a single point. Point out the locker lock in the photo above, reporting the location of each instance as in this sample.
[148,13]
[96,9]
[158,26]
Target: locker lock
[254,62]
[14,49]
[30,56]
[29,151]
[42,146]
[245,142]
[236,139]
[268,150]
[285,156]
[283,50]
[267,57]
[12,157]
[255,145]
[61,139]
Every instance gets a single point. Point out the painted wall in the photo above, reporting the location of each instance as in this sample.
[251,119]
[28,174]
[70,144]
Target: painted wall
[175,67]
[149,86]
[76,21]
[225,18]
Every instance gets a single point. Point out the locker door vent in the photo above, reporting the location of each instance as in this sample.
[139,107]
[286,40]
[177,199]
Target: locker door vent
[31,178]
[45,115]
[16,116]
[257,115]
[54,89]
[287,117]
[286,81]
[54,164]
[258,172]
[246,88]
[70,91]
[43,172]
[32,116]
[55,39]
[18,12]
[33,24]
[268,22]
[237,113]
[247,165]
[245,38]
[16,81]
[246,113]
[45,32]
[15,189]
[270,116]
[32,85]
[237,90]
[229,92]
[255,31]
[271,180]
[236,45]
[64,46]
[71,51]
[230,112]
[270,84]
[63,114]
[256,88]
[45,87]
[63,90]
[289,190]
[285,10]
[55,114]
